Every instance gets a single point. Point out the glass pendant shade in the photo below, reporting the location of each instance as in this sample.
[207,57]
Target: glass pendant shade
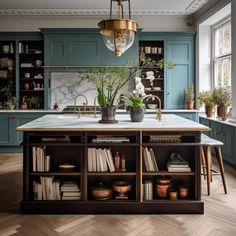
[118,34]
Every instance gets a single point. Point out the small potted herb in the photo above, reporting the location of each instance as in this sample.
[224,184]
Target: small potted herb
[207,98]
[189,97]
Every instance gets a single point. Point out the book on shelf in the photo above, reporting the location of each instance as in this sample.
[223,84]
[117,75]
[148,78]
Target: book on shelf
[65,139]
[100,160]
[149,160]
[179,169]
[70,191]
[47,189]
[41,160]
[109,139]
[148,190]
[177,163]
[165,138]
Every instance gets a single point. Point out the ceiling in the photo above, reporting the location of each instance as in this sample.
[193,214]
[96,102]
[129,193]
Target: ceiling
[98,7]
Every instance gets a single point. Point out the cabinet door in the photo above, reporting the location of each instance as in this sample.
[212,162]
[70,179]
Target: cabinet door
[189,116]
[228,139]
[182,75]
[6,127]
[73,49]
[216,132]
[205,122]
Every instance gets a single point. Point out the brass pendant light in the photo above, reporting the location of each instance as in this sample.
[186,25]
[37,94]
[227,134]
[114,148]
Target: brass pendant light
[118,34]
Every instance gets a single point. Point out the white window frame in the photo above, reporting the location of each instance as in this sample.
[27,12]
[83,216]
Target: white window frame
[225,56]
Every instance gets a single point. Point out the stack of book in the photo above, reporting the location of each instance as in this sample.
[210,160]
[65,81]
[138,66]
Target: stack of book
[165,138]
[178,166]
[41,161]
[148,190]
[110,139]
[100,160]
[70,191]
[47,189]
[149,160]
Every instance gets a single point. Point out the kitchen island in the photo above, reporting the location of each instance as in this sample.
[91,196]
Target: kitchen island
[67,139]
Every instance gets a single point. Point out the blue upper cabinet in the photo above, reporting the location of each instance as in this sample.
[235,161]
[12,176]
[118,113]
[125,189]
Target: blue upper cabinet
[181,52]
[72,47]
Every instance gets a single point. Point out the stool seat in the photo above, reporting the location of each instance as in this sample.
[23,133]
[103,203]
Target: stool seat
[206,159]
[207,141]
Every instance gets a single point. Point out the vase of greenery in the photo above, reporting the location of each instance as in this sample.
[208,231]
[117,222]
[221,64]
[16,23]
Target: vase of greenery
[222,96]
[207,98]
[189,97]
[108,82]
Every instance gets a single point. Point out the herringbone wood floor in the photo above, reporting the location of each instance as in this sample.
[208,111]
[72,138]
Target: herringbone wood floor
[219,218]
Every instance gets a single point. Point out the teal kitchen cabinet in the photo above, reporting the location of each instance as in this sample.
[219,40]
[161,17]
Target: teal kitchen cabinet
[205,122]
[190,116]
[181,52]
[72,49]
[6,127]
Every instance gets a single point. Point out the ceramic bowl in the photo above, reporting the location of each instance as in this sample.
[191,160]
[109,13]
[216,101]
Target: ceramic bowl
[152,106]
[38,63]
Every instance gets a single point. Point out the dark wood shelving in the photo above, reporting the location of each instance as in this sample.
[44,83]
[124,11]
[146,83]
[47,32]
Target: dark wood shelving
[31,90]
[54,144]
[31,79]
[171,144]
[167,173]
[55,173]
[112,144]
[111,173]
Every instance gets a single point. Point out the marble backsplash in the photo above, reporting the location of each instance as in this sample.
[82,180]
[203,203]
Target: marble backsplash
[65,86]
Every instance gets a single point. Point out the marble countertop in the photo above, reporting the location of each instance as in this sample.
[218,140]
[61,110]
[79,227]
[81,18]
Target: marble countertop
[71,122]
[118,111]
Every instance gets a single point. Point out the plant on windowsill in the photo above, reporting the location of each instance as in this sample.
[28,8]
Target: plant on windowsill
[134,102]
[189,97]
[207,98]
[109,81]
[222,96]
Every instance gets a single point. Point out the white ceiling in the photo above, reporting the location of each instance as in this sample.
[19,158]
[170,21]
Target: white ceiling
[98,7]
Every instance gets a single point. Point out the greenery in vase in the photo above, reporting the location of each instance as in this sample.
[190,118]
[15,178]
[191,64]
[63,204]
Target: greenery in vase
[133,101]
[35,101]
[189,94]
[206,98]
[222,96]
[109,81]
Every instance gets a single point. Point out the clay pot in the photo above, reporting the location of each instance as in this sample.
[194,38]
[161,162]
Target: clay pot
[26,86]
[190,105]
[222,111]
[210,111]
[162,186]
[108,115]
[101,192]
[136,114]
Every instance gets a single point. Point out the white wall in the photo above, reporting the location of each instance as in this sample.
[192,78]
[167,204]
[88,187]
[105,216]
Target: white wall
[158,23]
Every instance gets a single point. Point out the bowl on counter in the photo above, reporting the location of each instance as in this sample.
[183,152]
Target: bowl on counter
[152,106]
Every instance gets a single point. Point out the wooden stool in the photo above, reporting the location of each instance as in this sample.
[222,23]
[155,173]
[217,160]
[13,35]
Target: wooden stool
[206,160]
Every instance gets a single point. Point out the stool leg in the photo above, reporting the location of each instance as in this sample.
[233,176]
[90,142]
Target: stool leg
[220,162]
[208,167]
[203,162]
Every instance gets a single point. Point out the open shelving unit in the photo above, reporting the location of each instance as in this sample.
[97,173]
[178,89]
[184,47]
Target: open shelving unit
[75,151]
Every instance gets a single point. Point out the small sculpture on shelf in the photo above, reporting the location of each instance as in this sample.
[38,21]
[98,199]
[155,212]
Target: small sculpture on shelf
[121,187]
[150,77]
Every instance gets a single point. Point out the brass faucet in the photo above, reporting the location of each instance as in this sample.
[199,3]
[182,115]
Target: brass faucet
[153,97]
[85,103]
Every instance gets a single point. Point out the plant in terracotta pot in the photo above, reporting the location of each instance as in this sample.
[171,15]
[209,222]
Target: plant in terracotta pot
[108,82]
[222,96]
[189,97]
[207,98]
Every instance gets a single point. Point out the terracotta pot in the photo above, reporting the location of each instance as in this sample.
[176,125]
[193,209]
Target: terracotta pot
[136,114]
[26,86]
[101,192]
[210,111]
[190,105]
[162,186]
[222,111]
[108,115]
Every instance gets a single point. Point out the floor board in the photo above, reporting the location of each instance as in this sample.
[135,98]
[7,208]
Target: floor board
[219,218]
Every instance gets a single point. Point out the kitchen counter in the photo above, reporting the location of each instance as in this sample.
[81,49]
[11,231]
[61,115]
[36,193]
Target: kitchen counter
[70,122]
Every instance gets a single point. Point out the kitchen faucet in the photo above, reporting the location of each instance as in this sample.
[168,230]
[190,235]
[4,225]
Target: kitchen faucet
[158,110]
[85,103]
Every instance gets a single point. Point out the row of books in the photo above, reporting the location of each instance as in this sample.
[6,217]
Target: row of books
[165,138]
[148,190]
[41,161]
[100,160]
[109,139]
[47,189]
[149,160]
[70,191]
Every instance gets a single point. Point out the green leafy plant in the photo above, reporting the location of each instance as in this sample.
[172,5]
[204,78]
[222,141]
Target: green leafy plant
[206,98]
[109,81]
[222,96]
[189,94]
[35,101]
[133,101]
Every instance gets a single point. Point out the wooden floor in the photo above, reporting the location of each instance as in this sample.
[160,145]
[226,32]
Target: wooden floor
[219,218]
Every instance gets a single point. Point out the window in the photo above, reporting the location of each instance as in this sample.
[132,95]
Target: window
[222,54]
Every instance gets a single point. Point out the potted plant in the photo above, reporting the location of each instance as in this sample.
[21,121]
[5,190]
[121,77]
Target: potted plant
[35,102]
[207,98]
[189,97]
[222,96]
[109,81]
[134,102]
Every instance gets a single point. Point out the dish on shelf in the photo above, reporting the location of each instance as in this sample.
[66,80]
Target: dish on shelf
[121,187]
[148,89]
[66,167]
[101,192]
[152,106]
[156,88]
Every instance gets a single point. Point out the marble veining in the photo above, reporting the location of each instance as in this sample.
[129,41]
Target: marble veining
[73,123]
[65,86]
